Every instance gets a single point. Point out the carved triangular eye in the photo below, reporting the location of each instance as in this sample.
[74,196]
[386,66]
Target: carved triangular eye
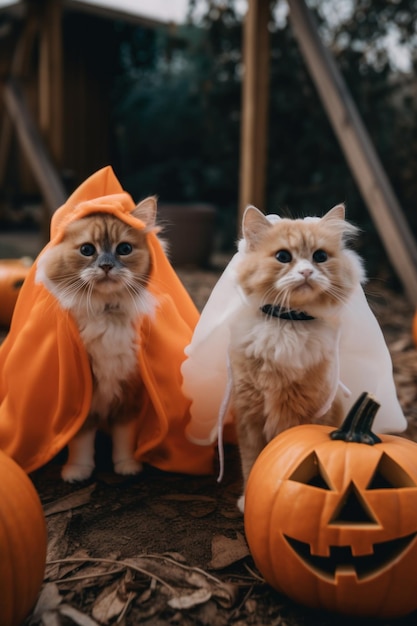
[310,472]
[389,475]
[353,509]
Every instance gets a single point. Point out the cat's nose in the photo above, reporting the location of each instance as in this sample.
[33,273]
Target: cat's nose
[106,263]
[306,272]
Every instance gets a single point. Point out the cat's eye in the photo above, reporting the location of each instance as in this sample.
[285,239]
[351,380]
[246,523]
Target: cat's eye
[320,256]
[124,248]
[283,256]
[87,249]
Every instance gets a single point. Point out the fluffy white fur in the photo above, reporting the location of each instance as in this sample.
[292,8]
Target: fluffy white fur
[285,372]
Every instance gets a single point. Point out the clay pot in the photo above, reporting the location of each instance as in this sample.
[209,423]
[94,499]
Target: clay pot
[189,230]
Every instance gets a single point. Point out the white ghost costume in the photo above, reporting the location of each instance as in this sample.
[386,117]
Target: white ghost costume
[362,360]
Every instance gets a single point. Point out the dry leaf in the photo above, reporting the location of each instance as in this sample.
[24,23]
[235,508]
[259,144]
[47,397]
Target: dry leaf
[226,594]
[49,599]
[109,604]
[175,556]
[57,543]
[225,551]
[158,605]
[186,497]
[183,582]
[251,605]
[202,509]
[231,512]
[145,596]
[67,567]
[50,618]
[79,618]
[102,570]
[188,600]
[70,502]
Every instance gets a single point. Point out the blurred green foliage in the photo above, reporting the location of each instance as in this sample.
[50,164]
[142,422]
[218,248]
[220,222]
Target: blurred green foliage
[177,105]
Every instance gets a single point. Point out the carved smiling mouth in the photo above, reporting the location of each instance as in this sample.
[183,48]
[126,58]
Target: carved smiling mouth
[341,559]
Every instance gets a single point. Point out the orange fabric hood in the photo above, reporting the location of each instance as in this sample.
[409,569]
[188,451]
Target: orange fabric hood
[45,377]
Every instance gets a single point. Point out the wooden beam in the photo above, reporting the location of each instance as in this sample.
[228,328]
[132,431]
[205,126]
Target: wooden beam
[358,149]
[33,148]
[18,68]
[255,99]
[50,77]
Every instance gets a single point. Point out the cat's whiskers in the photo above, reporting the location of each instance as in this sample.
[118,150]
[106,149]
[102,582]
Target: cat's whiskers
[283,299]
[50,304]
[338,292]
[70,288]
[89,299]
[138,297]
[271,296]
[279,299]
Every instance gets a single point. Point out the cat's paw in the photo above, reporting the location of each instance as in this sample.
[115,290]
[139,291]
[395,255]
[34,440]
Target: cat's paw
[241,504]
[128,467]
[73,473]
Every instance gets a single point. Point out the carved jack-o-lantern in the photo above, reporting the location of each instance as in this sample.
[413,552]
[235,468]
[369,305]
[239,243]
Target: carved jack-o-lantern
[12,274]
[332,522]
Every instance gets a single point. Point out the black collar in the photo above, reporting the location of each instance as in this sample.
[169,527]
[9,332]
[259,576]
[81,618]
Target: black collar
[285,314]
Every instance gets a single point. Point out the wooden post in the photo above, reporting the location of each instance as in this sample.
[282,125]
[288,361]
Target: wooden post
[18,68]
[33,148]
[358,149]
[255,97]
[50,86]
[50,78]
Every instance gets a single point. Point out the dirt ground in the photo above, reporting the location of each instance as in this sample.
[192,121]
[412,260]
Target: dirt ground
[170,549]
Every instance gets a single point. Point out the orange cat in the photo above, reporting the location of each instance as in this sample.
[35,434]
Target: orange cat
[99,272]
[284,344]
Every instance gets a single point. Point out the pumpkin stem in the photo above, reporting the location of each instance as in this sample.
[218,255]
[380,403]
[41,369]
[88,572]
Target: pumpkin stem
[358,422]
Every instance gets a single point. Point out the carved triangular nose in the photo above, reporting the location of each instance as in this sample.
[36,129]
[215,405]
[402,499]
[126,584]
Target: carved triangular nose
[352,509]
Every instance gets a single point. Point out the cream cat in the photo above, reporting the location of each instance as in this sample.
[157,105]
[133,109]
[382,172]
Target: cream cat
[294,278]
[99,273]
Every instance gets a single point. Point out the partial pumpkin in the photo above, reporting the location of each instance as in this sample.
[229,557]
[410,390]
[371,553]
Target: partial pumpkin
[23,541]
[12,274]
[331,518]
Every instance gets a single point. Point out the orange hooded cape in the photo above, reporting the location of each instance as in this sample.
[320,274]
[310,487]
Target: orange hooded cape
[45,377]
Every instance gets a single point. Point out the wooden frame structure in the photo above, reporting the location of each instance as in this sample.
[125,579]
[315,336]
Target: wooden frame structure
[255,98]
[42,142]
[54,92]
[347,124]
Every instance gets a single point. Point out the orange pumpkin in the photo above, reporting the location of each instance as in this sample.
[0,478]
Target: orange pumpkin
[12,274]
[22,543]
[331,517]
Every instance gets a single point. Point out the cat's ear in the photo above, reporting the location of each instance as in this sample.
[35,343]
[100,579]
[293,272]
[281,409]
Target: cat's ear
[346,229]
[337,212]
[146,211]
[254,226]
